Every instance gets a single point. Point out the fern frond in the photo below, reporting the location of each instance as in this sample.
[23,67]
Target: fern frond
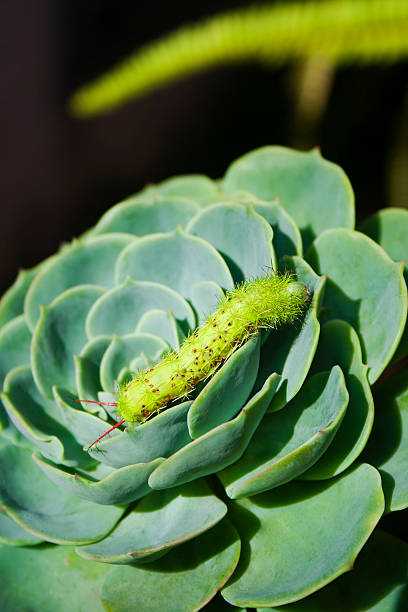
[343,31]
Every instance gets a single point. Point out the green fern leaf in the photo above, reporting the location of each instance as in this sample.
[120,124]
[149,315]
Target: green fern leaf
[343,31]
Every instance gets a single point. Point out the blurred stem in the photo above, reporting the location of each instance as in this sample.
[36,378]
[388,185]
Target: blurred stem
[311,85]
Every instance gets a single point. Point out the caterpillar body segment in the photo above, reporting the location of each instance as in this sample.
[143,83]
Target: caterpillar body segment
[264,302]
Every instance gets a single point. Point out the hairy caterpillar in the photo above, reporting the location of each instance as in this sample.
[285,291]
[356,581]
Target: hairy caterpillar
[264,302]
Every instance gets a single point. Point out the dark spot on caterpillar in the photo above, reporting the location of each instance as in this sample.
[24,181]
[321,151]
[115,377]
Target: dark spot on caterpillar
[145,413]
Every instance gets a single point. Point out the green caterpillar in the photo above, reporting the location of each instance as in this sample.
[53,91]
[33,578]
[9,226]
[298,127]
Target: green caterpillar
[264,302]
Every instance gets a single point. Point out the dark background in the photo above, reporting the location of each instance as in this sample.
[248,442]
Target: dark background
[59,174]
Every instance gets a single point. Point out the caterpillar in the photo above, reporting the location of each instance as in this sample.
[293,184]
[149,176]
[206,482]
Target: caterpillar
[264,302]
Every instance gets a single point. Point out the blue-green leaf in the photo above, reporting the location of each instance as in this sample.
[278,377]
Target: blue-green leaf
[304,183]
[177,260]
[288,442]
[303,535]
[366,289]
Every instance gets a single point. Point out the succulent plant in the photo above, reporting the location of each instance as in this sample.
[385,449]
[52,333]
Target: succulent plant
[265,484]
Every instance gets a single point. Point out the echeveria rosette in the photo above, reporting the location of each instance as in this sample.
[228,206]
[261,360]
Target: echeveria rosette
[260,489]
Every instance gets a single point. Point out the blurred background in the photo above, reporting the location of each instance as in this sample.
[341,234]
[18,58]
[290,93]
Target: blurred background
[59,174]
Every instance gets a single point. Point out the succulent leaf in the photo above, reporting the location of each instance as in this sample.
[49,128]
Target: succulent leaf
[12,302]
[64,318]
[339,344]
[162,324]
[389,227]
[193,260]
[196,187]
[285,527]
[319,186]
[39,419]
[286,235]
[204,564]
[362,279]
[205,298]
[227,391]
[76,583]
[162,436]
[119,311]
[122,350]
[87,368]
[286,443]
[387,448]
[148,215]
[159,522]
[377,582]
[120,486]
[219,447]
[243,238]
[12,534]
[82,263]
[245,487]
[53,515]
[15,343]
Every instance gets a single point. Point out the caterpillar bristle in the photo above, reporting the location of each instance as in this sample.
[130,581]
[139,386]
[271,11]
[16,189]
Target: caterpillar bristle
[106,433]
[96,402]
